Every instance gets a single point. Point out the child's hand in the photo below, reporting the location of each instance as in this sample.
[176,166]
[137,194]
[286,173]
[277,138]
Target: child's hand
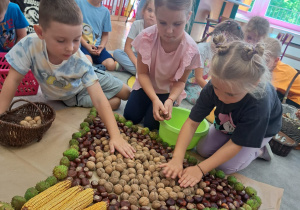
[169,106]
[298,114]
[158,105]
[172,169]
[92,49]
[122,146]
[190,176]
[99,49]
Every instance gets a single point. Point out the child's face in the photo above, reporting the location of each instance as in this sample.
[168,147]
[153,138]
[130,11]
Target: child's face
[62,41]
[271,62]
[226,93]
[170,24]
[252,38]
[149,15]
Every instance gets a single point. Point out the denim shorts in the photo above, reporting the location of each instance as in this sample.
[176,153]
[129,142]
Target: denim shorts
[97,59]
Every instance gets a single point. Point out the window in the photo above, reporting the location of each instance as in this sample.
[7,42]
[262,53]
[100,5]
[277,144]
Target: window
[284,13]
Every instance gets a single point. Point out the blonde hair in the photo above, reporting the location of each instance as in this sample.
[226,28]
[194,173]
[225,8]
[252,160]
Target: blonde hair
[175,5]
[3,5]
[241,65]
[258,25]
[146,4]
[231,29]
[272,47]
[62,11]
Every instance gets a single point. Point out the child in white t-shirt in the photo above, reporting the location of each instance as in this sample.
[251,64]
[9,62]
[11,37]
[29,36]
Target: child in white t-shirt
[127,59]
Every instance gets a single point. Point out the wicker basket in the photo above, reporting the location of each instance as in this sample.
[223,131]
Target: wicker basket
[290,124]
[16,135]
[281,144]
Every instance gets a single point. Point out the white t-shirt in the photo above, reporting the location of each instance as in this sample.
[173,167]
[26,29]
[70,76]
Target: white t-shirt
[58,82]
[136,27]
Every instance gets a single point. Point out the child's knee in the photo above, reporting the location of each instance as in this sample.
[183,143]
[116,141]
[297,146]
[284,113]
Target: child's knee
[124,92]
[115,103]
[109,64]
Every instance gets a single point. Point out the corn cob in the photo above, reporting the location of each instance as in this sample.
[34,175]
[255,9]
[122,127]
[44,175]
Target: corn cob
[98,206]
[57,202]
[80,200]
[41,199]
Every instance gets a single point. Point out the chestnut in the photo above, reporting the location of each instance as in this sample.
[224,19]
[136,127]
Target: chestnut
[104,195]
[214,198]
[82,165]
[207,189]
[197,199]
[236,203]
[224,205]
[189,199]
[124,208]
[88,174]
[85,181]
[112,207]
[181,202]
[76,182]
[101,189]
[207,196]
[81,175]
[97,198]
[219,188]
[206,203]
[125,203]
[94,184]
[172,207]
[170,202]
[115,202]
[146,208]
[72,173]
[78,169]
[112,197]
[73,164]
[162,208]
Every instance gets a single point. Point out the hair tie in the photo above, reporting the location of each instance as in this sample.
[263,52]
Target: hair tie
[239,27]
[228,22]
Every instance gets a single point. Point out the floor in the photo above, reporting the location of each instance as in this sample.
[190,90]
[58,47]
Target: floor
[281,172]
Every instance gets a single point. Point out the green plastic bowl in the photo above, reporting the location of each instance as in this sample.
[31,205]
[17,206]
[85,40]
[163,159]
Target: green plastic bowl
[169,129]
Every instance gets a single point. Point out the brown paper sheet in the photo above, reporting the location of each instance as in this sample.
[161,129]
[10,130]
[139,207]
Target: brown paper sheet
[21,168]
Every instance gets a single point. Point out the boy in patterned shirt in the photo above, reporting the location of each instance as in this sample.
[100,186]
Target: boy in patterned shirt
[62,70]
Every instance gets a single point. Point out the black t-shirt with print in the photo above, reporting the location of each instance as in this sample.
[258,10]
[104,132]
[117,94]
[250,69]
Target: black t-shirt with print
[247,121]
[30,9]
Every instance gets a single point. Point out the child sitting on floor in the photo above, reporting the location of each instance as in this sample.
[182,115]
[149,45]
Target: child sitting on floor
[127,59]
[62,70]
[166,56]
[13,25]
[198,78]
[256,29]
[95,33]
[248,113]
[282,74]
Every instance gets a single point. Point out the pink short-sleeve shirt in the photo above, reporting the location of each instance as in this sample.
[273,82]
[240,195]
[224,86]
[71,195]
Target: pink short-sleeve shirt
[165,68]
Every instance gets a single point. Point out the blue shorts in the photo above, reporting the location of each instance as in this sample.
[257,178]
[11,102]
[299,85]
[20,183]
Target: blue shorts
[97,59]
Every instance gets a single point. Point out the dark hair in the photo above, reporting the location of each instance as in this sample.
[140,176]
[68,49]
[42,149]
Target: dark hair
[230,28]
[62,11]
[241,65]
[175,5]
[146,4]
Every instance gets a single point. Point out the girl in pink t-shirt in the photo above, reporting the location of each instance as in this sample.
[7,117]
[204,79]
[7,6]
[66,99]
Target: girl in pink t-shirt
[166,56]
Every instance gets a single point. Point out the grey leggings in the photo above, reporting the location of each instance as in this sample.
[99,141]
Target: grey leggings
[216,139]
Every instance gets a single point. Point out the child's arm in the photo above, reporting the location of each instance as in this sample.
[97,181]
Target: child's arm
[144,79]
[21,33]
[104,40]
[190,175]
[174,167]
[176,90]
[199,77]
[129,52]
[9,89]
[105,112]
